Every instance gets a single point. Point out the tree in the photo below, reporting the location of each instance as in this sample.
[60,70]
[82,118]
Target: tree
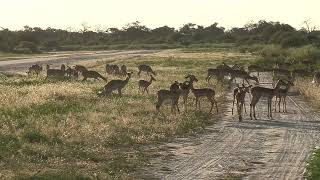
[308,26]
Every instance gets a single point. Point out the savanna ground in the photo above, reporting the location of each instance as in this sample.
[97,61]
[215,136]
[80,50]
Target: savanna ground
[61,129]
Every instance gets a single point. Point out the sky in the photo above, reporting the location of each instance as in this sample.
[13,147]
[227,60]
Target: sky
[66,14]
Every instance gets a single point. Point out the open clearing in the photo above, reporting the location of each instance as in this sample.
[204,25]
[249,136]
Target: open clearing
[62,129]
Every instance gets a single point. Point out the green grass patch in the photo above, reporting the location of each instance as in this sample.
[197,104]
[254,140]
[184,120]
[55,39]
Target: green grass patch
[313,168]
[46,109]
[9,144]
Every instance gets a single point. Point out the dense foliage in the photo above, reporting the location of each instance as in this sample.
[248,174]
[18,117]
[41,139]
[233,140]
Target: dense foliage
[34,39]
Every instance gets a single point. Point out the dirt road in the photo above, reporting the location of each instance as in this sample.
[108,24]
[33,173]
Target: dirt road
[70,57]
[252,149]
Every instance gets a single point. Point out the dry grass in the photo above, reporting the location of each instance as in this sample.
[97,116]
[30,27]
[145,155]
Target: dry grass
[312,92]
[309,90]
[61,129]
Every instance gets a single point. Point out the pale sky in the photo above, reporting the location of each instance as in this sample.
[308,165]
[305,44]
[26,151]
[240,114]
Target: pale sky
[14,14]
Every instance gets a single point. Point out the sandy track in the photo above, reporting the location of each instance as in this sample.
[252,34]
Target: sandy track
[252,149]
[23,63]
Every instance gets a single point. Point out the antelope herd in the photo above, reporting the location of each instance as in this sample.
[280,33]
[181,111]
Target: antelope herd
[282,76]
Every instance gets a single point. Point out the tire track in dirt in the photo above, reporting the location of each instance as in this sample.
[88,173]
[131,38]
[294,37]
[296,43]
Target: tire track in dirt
[252,149]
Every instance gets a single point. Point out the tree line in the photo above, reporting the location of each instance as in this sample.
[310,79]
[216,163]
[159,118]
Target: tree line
[35,39]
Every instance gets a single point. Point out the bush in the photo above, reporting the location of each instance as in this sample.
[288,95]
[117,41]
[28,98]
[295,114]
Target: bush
[251,48]
[51,45]
[272,51]
[293,40]
[306,52]
[27,47]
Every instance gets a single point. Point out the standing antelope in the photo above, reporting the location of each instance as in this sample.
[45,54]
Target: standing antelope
[146,69]
[282,95]
[239,94]
[115,85]
[258,92]
[173,94]
[186,87]
[205,92]
[143,84]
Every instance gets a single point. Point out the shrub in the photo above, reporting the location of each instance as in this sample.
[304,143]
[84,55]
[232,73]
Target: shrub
[306,52]
[273,52]
[27,47]
[293,40]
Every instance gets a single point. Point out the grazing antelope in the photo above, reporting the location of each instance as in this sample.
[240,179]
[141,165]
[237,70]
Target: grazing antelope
[146,69]
[239,94]
[92,74]
[255,68]
[316,78]
[143,84]
[186,87]
[257,92]
[243,75]
[35,69]
[173,94]
[54,72]
[115,85]
[205,92]
[282,95]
